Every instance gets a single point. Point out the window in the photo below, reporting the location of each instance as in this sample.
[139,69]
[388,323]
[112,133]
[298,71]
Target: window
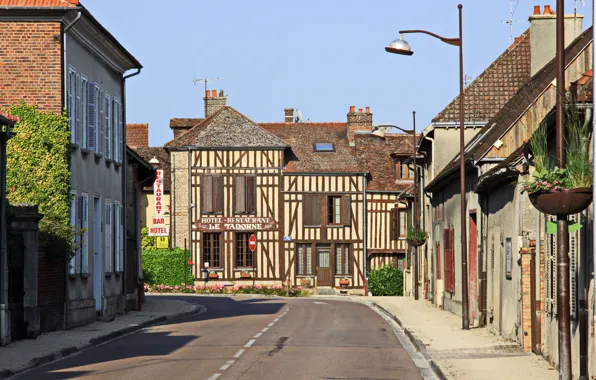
[311,210]
[402,170]
[212,195]
[72,266]
[78,110]
[334,210]
[324,147]
[72,106]
[243,253]
[399,223]
[304,259]
[211,249]
[107,114]
[342,259]
[117,130]
[85,235]
[109,253]
[448,247]
[93,117]
[84,100]
[244,195]
[118,241]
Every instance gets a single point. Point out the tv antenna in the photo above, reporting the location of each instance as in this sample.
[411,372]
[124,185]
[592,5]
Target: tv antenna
[205,80]
[511,21]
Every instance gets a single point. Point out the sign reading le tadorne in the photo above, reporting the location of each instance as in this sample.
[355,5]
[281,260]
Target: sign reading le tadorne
[235,224]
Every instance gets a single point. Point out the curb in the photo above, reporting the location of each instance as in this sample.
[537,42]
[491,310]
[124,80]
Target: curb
[416,342]
[65,352]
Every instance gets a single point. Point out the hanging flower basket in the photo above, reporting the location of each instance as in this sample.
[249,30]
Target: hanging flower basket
[562,201]
[415,242]
[344,282]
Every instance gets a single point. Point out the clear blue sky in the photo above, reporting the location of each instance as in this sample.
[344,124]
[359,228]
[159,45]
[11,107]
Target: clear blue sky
[319,56]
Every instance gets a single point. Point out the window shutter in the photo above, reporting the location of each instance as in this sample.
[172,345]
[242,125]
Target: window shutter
[393,216]
[218,190]
[85,217]
[78,110]
[114,141]
[206,194]
[102,122]
[573,257]
[311,210]
[120,135]
[73,220]
[347,211]
[251,194]
[240,195]
[108,123]
[447,249]
[108,236]
[71,104]
[91,112]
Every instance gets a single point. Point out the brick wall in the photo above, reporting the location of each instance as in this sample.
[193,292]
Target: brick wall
[358,121]
[30,64]
[137,135]
[50,294]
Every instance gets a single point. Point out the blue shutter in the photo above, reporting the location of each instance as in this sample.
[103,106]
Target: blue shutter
[92,115]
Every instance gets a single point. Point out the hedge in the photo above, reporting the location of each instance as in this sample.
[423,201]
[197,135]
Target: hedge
[386,281]
[160,266]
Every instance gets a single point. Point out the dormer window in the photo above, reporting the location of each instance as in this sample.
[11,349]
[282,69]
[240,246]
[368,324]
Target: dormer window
[402,169]
[324,147]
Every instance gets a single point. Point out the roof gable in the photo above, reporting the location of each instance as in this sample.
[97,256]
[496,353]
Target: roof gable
[228,128]
[494,86]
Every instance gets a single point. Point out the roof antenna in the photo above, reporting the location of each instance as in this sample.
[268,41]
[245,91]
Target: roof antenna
[511,21]
[205,80]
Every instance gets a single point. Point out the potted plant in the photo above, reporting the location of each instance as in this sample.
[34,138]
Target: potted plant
[344,281]
[244,274]
[305,282]
[556,191]
[416,237]
[213,274]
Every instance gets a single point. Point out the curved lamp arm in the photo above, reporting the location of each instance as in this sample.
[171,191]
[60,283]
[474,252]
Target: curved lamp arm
[450,41]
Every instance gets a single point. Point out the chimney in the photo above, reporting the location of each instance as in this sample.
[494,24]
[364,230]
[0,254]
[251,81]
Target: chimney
[358,121]
[213,101]
[543,35]
[137,135]
[289,115]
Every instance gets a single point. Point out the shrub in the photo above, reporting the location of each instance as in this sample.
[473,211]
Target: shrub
[160,266]
[386,281]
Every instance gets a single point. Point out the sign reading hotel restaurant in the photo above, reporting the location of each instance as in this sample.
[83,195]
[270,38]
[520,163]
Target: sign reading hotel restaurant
[158,192]
[159,231]
[235,224]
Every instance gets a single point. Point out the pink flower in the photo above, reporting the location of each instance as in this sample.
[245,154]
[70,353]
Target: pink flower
[556,187]
[548,186]
[556,182]
[544,183]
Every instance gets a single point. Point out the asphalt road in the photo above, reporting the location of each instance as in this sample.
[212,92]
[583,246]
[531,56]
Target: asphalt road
[250,338]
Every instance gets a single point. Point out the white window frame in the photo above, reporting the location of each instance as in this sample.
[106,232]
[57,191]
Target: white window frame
[84,106]
[85,234]
[72,74]
[108,245]
[107,113]
[72,265]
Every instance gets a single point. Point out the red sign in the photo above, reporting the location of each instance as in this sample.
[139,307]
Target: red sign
[252,242]
[219,223]
[158,192]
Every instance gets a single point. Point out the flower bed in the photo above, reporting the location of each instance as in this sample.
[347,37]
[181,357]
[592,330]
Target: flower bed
[277,290]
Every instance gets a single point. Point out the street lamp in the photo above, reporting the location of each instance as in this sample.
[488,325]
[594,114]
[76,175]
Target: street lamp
[401,47]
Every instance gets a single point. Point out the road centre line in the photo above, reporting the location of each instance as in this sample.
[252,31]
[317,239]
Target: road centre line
[270,325]
[257,335]
[250,342]
[214,376]
[265,329]
[239,353]
[227,365]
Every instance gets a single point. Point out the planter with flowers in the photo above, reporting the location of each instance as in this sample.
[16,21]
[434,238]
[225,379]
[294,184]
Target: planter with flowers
[213,275]
[244,274]
[344,282]
[557,191]
[416,237]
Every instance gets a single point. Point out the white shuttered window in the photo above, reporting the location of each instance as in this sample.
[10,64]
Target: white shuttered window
[72,97]
[119,241]
[108,251]
[84,99]
[85,235]
[107,113]
[93,116]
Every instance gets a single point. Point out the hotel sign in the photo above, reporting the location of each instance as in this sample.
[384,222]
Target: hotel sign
[235,224]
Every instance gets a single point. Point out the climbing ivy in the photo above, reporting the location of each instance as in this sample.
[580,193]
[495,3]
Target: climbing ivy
[38,172]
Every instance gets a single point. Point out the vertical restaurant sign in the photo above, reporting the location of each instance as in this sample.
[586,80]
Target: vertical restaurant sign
[158,192]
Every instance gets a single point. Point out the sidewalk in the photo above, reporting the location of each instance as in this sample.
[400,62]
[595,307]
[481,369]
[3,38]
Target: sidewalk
[29,353]
[458,354]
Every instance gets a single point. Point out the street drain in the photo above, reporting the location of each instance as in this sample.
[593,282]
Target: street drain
[278,345]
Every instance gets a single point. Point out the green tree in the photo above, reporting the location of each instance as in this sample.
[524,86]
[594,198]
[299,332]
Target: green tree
[386,281]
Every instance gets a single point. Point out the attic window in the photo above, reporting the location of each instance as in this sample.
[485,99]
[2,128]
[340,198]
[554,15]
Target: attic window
[324,147]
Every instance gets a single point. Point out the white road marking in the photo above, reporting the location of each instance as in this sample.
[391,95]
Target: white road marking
[227,365]
[320,303]
[239,353]
[250,342]
[270,325]
[257,335]
[265,329]
[276,319]
[214,376]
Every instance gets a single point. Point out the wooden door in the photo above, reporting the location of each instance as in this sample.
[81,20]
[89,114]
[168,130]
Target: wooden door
[473,265]
[323,258]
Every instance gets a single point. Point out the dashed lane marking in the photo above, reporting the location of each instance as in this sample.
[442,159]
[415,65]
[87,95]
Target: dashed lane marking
[257,335]
[250,342]
[239,353]
[265,329]
[214,376]
[227,365]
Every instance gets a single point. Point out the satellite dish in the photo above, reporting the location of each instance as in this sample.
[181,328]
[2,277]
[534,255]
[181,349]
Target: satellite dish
[298,116]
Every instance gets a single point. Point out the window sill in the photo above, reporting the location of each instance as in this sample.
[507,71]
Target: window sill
[85,275]
[305,275]
[319,226]
[245,269]
[86,151]
[98,155]
[348,276]
[336,226]
[109,161]
[74,146]
[215,269]
[109,274]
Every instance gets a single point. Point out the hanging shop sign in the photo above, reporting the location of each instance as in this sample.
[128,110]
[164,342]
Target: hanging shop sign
[158,192]
[235,224]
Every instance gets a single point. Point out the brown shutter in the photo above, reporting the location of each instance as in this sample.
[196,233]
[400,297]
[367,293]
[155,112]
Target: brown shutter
[448,249]
[311,210]
[207,194]
[393,224]
[240,195]
[218,192]
[250,194]
[347,211]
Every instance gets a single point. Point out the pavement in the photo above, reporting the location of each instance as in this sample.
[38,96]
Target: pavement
[264,338]
[23,355]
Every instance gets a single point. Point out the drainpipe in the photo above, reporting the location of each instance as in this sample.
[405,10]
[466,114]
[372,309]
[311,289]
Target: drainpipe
[124,189]
[364,234]
[594,191]
[190,207]
[64,102]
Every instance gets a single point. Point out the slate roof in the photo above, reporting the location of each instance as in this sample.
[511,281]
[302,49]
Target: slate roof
[485,96]
[516,105]
[39,3]
[227,128]
[162,155]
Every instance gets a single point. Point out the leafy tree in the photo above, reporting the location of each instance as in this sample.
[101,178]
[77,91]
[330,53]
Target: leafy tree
[386,281]
[162,267]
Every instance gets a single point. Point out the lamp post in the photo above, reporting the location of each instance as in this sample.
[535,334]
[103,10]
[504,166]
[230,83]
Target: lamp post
[400,46]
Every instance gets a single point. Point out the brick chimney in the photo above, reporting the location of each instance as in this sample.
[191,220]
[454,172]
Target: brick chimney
[137,135]
[213,101]
[289,115]
[543,35]
[181,125]
[358,121]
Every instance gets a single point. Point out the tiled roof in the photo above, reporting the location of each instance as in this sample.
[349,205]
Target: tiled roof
[147,153]
[515,106]
[227,128]
[302,136]
[137,135]
[39,3]
[185,122]
[485,96]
